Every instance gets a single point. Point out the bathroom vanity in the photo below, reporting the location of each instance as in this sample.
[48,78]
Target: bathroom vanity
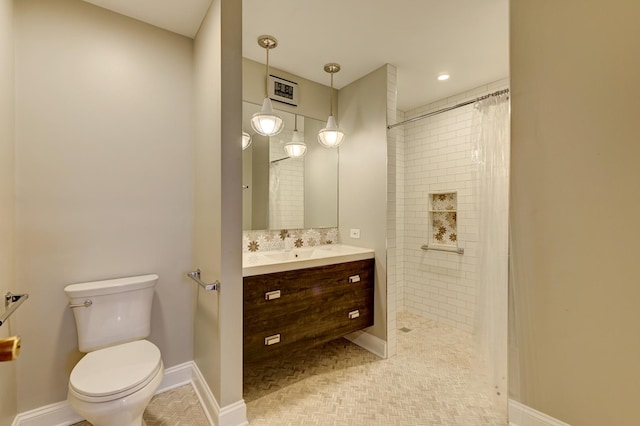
[299,299]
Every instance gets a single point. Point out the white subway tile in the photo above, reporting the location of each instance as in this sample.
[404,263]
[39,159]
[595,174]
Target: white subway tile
[435,155]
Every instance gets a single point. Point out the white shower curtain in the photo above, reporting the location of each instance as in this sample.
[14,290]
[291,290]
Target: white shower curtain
[274,196]
[491,149]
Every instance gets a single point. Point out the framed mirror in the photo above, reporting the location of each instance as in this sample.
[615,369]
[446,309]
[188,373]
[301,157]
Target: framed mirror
[279,192]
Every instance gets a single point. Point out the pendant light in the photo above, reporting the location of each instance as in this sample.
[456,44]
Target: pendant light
[266,122]
[246,140]
[296,148]
[331,136]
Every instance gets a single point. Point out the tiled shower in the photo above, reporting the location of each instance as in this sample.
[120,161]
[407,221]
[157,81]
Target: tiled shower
[435,161]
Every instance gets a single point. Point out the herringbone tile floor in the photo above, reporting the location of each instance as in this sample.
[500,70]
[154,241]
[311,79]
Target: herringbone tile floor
[177,407]
[430,382]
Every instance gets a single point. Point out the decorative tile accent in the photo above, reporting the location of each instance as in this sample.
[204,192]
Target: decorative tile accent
[446,201]
[444,219]
[253,241]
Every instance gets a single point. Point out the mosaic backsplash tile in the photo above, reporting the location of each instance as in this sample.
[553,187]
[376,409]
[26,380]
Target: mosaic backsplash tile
[444,217]
[253,241]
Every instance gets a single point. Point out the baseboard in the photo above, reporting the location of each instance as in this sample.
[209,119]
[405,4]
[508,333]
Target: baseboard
[368,341]
[230,415]
[61,414]
[176,376]
[234,415]
[207,400]
[522,415]
[58,414]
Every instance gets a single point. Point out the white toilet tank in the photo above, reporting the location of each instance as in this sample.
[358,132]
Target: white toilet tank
[118,311]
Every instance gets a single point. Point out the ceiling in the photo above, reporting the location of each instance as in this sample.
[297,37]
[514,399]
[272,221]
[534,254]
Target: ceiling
[422,38]
[179,16]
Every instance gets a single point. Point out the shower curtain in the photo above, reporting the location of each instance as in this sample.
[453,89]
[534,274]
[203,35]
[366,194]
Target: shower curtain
[491,150]
[274,196]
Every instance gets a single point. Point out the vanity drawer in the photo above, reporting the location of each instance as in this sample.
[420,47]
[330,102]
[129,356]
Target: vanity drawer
[291,301]
[291,338]
[305,307]
[300,284]
[258,288]
[317,308]
[279,299]
[301,315]
[303,332]
[338,321]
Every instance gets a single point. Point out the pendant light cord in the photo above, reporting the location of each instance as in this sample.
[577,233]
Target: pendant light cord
[331,69]
[331,97]
[266,77]
[267,42]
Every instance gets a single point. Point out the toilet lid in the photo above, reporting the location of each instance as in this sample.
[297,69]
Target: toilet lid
[114,370]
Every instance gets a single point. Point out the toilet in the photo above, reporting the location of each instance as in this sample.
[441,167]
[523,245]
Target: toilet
[121,371]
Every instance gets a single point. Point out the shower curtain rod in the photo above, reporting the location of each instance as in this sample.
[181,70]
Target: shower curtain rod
[473,101]
[278,160]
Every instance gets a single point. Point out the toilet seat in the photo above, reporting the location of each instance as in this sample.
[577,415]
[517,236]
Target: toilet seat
[115,372]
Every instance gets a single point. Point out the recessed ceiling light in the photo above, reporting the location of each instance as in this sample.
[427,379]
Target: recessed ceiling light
[443,77]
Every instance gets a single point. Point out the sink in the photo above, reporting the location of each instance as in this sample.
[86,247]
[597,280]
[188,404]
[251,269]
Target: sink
[283,256]
[335,249]
[277,261]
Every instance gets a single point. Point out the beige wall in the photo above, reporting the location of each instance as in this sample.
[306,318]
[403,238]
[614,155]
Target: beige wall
[218,230]
[8,385]
[103,135]
[314,97]
[574,208]
[363,176]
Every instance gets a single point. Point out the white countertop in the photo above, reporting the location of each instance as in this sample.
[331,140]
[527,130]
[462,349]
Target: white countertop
[266,262]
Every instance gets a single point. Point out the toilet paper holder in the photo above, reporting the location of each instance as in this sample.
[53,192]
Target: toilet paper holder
[11,303]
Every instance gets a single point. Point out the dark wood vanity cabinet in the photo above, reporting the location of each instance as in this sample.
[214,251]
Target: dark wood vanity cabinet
[289,311]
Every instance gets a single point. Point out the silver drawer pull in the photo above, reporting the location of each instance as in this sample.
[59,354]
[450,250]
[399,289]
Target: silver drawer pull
[272,340]
[354,314]
[270,295]
[354,279]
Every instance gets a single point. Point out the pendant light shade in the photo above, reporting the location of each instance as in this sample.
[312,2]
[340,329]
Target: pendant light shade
[331,136]
[296,148]
[246,140]
[267,122]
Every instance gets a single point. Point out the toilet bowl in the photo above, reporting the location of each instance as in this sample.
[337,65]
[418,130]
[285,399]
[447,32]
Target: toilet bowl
[113,386]
[115,381]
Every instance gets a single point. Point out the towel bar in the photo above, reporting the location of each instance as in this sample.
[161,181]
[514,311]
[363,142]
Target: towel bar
[195,275]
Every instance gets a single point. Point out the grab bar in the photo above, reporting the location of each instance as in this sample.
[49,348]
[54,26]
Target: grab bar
[195,275]
[15,300]
[458,250]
